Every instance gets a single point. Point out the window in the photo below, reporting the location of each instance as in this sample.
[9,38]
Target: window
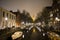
[7,14]
[3,24]
[14,17]
[10,16]
[3,14]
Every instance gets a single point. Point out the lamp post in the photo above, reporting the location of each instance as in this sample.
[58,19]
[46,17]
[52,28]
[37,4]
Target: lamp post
[6,21]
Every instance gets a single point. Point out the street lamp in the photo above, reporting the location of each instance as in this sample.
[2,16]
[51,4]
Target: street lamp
[6,18]
[51,15]
[23,36]
[22,23]
[43,34]
[57,19]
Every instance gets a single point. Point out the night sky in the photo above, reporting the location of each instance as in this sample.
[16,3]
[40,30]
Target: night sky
[32,6]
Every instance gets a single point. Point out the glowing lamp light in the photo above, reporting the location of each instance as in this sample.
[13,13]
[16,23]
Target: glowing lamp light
[6,18]
[43,34]
[22,22]
[57,19]
[51,15]
[23,36]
